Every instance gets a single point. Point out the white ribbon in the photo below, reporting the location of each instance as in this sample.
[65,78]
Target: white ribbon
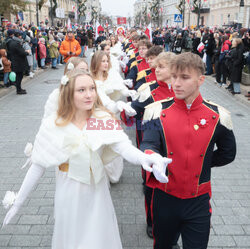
[83,160]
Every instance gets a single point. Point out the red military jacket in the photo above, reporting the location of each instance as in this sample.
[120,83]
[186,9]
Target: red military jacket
[188,137]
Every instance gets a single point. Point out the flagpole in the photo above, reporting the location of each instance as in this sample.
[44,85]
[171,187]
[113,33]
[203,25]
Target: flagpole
[183,13]
[37,14]
[199,13]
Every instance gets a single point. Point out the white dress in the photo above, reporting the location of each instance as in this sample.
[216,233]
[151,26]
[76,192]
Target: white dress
[84,213]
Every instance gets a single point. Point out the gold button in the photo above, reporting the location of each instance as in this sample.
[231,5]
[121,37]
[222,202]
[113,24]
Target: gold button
[193,194]
[171,153]
[154,94]
[201,155]
[197,176]
[163,115]
[214,117]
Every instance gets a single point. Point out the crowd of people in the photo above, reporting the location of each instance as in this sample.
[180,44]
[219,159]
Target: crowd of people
[180,136]
[25,49]
[40,47]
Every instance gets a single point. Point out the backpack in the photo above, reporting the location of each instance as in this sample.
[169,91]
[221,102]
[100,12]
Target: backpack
[1,64]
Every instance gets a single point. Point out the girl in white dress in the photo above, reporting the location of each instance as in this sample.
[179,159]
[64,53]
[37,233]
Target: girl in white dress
[74,142]
[110,84]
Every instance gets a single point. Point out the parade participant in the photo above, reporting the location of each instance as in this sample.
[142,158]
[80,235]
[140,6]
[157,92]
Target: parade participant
[151,54]
[186,128]
[70,47]
[115,65]
[72,143]
[132,53]
[142,68]
[51,105]
[110,85]
[149,93]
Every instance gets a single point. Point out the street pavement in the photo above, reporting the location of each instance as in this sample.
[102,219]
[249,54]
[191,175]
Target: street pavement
[33,225]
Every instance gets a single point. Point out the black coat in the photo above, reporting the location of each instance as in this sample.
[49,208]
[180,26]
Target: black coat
[17,56]
[236,63]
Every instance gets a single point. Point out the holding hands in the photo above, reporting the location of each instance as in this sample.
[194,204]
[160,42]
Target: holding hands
[159,165]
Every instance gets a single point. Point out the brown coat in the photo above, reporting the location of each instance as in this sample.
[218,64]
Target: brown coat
[5,61]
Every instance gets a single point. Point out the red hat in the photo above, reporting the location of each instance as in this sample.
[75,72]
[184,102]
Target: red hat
[100,28]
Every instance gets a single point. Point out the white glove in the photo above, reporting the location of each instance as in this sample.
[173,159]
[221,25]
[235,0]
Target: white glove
[125,59]
[159,168]
[11,213]
[123,65]
[128,83]
[129,111]
[34,173]
[133,94]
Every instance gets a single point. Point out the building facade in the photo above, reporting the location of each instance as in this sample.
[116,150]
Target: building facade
[213,12]
[66,9]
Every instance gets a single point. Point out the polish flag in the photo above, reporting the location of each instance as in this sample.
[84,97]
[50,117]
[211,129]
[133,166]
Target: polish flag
[148,32]
[201,47]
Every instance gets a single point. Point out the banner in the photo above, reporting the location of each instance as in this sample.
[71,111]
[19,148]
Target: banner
[121,20]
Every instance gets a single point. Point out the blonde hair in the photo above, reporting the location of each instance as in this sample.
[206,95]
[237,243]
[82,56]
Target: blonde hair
[96,61]
[75,61]
[164,58]
[66,107]
[188,60]
[237,42]
[198,34]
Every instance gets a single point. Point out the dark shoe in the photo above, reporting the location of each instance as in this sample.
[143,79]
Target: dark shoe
[54,68]
[149,231]
[176,247]
[44,67]
[22,91]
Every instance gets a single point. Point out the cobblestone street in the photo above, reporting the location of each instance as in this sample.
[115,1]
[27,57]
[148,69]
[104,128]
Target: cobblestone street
[33,225]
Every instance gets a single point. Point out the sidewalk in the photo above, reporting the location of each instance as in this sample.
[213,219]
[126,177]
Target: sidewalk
[26,79]
[241,97]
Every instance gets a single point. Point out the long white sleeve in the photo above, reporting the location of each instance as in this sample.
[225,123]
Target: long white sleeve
[129,152]
[31,179]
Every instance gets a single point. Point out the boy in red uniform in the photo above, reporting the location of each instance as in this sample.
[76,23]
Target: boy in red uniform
[186,129]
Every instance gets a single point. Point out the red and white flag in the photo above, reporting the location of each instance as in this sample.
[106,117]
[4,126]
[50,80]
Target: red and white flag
[148,32]
[200,47]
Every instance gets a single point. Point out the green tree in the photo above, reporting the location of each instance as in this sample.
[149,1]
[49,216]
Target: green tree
[12,6]
[81,7]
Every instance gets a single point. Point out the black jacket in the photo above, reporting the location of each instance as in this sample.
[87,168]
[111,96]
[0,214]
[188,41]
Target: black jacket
[236,65]
[17,56]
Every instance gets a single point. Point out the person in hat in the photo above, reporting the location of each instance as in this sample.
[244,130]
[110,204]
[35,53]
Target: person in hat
[100,38]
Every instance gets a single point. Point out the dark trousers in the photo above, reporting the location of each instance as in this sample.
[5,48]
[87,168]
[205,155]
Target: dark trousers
[221,70]
[148,192]
[19,78]
[190,217]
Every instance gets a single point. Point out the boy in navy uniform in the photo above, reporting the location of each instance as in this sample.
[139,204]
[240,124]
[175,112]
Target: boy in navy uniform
[186,129]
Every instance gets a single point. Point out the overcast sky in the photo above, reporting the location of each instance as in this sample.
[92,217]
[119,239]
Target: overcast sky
[118,7]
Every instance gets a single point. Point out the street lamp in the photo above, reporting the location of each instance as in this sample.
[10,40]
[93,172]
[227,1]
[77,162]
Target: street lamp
[241,14]
[37,13]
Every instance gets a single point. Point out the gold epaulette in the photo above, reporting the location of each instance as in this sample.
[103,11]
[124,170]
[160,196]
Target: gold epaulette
[142,74]
[153,110]
[145,91]
[133,64]
[225,115]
